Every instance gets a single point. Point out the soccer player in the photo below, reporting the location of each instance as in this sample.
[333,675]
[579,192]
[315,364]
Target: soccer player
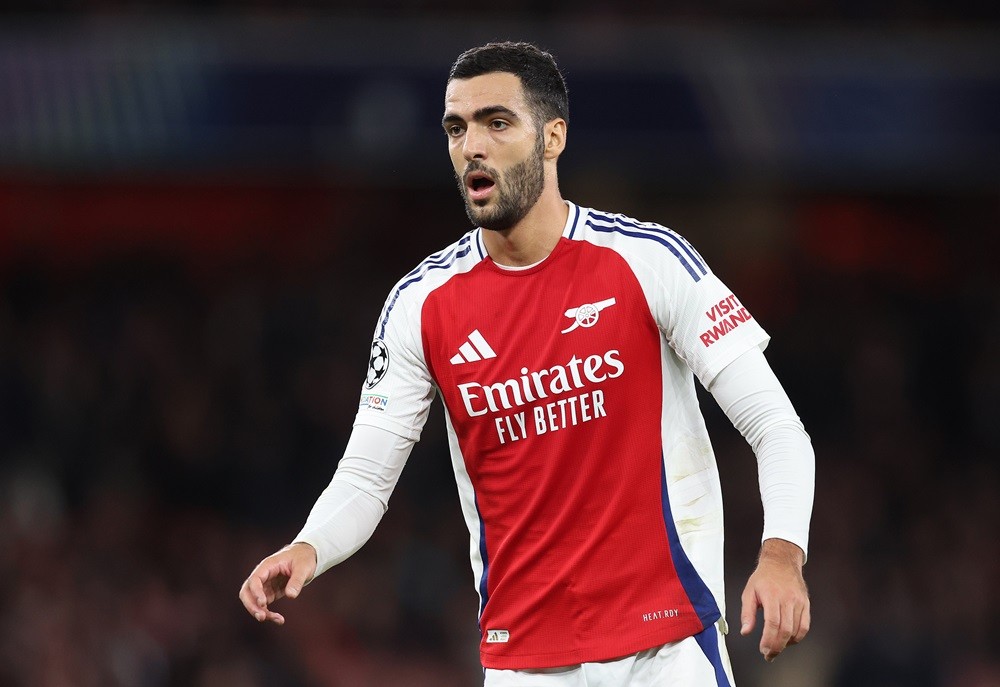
[564,342]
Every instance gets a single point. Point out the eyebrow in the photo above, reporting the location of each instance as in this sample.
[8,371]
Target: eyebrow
[481,114]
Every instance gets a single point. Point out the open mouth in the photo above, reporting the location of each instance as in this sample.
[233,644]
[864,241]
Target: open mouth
[479,184]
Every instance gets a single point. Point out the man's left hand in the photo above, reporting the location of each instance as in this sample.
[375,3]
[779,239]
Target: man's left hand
[777,585]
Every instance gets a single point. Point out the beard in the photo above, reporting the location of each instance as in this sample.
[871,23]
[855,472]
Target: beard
[517,191]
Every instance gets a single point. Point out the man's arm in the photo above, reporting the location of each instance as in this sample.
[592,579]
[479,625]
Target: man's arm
[756,404]
[341,521]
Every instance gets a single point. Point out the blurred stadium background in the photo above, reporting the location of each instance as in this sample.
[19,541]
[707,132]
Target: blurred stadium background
[204,204]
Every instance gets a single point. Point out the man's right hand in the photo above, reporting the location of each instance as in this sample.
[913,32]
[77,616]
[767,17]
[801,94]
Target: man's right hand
[281,574]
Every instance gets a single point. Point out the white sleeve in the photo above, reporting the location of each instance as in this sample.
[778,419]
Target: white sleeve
[704,322]
[757,405]
[346,513]
[398,388]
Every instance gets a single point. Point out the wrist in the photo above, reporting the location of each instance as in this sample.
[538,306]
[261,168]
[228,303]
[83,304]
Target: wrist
[304,547]
[783,551]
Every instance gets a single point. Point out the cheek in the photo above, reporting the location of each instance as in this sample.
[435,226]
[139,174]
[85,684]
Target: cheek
[457,159]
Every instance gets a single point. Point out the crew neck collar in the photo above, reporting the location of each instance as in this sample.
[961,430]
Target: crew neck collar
[569,229]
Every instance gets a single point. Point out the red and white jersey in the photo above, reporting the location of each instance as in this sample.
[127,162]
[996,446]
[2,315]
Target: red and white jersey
[584,468]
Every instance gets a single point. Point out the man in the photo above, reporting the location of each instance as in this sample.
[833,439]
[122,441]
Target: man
[563,342]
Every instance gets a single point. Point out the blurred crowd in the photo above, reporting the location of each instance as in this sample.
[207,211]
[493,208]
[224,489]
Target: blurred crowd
[827,12]
[167,418]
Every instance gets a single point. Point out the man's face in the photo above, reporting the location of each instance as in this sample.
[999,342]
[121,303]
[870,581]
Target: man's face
[496,148]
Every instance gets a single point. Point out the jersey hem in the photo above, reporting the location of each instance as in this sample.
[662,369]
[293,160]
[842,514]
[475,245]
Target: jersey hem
[587,655]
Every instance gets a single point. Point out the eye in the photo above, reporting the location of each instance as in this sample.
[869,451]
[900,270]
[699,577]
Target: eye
[499,124]
[454,130]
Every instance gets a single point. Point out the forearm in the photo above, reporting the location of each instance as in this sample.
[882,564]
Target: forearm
[346,513]
[786,473]
[756,404]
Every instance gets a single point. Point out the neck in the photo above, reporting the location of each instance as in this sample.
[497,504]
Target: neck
[533,238]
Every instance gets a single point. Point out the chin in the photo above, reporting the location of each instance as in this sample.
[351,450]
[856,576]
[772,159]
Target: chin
[478,212]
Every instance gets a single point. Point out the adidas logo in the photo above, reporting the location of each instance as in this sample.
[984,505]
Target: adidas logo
[497,636]
[472,350]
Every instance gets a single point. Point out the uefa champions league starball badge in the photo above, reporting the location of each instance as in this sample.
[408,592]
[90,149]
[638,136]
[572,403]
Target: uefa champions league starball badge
[378,363]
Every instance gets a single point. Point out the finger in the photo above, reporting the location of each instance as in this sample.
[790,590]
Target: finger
[247,599]
[273,589]
[251,599]
[265,583]
[260,613]
[272,617]
[796,610]
[255,587]
[772,628]
[787,628]
[804,622]
[748,611]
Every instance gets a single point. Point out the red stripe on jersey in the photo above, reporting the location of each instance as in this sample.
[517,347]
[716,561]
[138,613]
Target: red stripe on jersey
[560,430]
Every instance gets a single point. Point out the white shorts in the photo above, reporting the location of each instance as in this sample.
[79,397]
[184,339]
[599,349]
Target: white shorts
[698,661]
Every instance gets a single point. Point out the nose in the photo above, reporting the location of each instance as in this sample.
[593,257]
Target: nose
[474,145]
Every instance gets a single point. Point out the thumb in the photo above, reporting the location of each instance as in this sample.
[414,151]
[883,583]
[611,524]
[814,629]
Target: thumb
[748,612]
[296,581]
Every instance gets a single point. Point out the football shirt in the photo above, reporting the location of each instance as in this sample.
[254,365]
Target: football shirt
[584,469]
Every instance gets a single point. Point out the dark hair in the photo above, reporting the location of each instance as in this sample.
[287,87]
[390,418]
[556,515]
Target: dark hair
[543,83]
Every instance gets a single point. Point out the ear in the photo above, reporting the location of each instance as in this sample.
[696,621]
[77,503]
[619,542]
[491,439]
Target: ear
[555,138]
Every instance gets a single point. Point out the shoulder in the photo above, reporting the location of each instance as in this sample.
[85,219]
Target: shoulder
[436,269]
[459,257]
[637,241]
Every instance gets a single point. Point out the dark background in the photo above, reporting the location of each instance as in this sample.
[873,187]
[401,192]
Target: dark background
[204,204]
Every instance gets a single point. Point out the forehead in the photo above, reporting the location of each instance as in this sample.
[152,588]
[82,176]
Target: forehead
[463,97]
